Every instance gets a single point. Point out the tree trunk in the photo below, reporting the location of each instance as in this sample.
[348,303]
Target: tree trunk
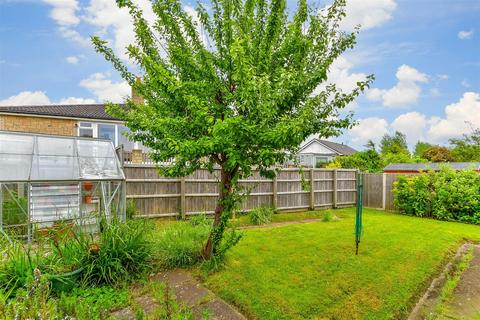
[223,204]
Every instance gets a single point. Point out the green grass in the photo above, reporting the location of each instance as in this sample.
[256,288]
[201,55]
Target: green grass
[243,220]
[309,271]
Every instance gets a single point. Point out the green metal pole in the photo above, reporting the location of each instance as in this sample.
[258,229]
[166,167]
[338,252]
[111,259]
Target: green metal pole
[358,213]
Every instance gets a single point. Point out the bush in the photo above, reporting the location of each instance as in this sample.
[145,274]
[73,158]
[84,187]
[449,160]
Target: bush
[328,216]
[444,195]
[261,215]
[180,244]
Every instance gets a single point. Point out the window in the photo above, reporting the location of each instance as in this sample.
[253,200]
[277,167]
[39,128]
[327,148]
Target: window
[107,131]
[85,129]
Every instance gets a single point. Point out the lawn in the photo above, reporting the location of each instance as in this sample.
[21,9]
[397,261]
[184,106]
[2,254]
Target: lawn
[309,271]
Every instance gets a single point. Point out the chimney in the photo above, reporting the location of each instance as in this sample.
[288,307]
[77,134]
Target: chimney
[136,97]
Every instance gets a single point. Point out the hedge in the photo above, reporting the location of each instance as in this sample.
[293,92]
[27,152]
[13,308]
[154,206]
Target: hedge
[444,195]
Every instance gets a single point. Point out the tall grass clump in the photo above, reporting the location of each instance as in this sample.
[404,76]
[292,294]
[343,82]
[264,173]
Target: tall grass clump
[261,215]
[180,244]
[122,252]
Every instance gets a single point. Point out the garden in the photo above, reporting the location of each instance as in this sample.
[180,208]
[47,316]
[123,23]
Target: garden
[293,266]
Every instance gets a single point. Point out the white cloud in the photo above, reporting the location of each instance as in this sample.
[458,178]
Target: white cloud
[64,12]
[367,13]
[405,92]
[465,83]
[463,35]
[26,98]
[72,59]
[115,22]
[413,124]
[74,100]
[442,76]
[369,129]
[105,89]
[459,117]
[435,92]
[341,75]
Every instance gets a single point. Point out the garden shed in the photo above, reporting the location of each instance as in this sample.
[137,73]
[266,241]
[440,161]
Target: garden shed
[47,181]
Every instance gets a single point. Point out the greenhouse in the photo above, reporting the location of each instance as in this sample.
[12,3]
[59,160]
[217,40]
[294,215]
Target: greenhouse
[49,182]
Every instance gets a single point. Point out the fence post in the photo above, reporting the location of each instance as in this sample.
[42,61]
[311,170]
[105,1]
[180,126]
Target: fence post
[312,190]
[183,206]
[335,187]
[384,191]
[275,192]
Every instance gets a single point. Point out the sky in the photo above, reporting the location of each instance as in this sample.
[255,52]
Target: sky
[425,55]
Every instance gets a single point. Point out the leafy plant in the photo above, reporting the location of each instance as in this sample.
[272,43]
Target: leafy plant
[261,215]
[32,302]
[123,252]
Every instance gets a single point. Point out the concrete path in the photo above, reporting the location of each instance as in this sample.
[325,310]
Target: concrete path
[465,302]
[192,293]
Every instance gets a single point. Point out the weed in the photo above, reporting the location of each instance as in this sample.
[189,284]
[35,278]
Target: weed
[261,215]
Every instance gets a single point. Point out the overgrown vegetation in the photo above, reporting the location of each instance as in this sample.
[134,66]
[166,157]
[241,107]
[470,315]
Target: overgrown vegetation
[444,195]
[261,215]
[180,244]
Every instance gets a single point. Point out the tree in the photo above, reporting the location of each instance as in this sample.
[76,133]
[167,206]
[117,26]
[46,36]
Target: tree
[395,144]
[421,147]
[244,93]
[366,161]
[438,154]
[467,148]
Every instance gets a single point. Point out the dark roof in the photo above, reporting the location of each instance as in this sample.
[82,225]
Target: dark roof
[341,148]
[87,111]
[431,166]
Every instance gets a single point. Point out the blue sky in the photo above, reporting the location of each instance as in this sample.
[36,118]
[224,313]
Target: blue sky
[425,55]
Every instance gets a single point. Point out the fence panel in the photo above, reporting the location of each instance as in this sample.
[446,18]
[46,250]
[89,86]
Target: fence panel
[373,190]
[157,196]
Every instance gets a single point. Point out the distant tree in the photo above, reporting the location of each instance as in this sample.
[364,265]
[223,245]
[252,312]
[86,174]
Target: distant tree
[395,144]
[438,154]
[366,161]
[245,93]
[421,147]
[467,149]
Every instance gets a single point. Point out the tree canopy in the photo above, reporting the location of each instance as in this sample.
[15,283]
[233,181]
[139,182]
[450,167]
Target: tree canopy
[239,85]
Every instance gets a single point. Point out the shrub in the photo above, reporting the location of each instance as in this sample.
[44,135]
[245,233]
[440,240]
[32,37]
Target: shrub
[261,215]
[180,244]
[445,195]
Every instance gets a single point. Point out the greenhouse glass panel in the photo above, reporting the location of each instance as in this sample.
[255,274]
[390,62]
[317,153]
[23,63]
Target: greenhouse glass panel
[47,168]
[16,143]
[99,168]
[15,167]
[52,146]
[95,148]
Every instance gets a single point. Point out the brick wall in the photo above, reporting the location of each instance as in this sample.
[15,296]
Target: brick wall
[64,127]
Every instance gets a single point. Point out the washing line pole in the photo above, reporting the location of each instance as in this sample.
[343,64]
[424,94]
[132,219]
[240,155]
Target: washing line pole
[358,213]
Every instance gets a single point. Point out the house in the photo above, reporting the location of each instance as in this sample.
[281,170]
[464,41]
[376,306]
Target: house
[315,152]
[435,166]
[67,120]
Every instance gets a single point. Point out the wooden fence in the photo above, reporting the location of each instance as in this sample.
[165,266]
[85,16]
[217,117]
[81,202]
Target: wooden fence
[378,190]
[157,196]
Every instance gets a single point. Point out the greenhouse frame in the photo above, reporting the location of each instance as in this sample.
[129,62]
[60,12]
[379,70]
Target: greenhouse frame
[48,180]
